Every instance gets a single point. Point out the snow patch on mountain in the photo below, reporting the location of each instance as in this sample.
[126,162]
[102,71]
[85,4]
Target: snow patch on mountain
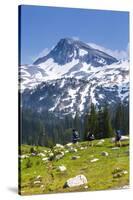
[84,94]
[82,52]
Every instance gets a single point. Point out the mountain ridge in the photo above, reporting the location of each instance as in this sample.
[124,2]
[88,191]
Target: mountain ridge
[69,46]
[96,82]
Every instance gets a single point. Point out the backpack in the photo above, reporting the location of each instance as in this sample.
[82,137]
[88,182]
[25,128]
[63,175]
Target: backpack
[90,136]
[75,136]
[118,134]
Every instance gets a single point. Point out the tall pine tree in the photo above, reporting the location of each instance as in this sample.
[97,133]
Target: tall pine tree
[93,120]
[107,127]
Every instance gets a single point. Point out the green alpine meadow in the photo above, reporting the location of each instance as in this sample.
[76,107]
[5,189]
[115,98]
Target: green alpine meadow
[46,170]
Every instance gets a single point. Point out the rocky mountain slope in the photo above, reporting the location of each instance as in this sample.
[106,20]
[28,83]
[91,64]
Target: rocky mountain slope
[71,77]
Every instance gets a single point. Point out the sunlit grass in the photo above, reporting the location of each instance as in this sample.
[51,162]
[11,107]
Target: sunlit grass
[99,174]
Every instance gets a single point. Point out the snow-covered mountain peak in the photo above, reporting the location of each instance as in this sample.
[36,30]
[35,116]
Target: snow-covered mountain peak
[68,49]
[73,75]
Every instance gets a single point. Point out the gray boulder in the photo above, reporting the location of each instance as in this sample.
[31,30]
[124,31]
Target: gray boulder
[82,148]
[123,138]
[104,153]
[115,148]
[100,143]
[62,168]
[45,159]
[69,145]
[75,157]
[76,181]
[73,150]
[59,146]
[94,160]
[37,182]
[59,156]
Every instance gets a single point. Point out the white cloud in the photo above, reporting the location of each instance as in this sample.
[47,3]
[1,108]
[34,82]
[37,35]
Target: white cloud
[119,54]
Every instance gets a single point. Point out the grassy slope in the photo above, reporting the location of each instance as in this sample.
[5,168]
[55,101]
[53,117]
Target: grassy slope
[98,174]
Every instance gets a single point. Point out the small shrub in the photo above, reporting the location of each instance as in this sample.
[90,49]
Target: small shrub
[32,150]
[38,162]
[118,175]
[117,170]
[28,163]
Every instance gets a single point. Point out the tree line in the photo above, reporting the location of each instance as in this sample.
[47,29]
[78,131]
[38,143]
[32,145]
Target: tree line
[47,129]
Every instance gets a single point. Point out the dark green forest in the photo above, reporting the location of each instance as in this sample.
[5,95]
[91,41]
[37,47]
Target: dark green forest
[46,129]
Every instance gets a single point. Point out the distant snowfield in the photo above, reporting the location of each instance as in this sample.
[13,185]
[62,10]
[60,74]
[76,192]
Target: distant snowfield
[112,78]
[109,74]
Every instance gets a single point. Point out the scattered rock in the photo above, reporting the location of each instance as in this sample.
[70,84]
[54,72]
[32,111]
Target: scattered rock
[118,175]
[41,154]
[56,151]
[42,186]
[118,172]
[45,159]
[125,187]
[94,160]
[85,187]
[82,148]
[104,153]
[23,156]
[102,140]
[37,182]
[38,177]
[112,139]
[73,150]
[66,151]
[116,148]
[59,146]
[75,157]
[45,151]
[100,143]
[76,181]
[33,154]
[68,145]
[59,156]
[62,168]
[51,154]
[62,153]
[125,172]
[123,138]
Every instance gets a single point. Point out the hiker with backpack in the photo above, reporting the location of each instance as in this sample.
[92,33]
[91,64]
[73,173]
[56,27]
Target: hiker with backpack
[90,138]
[75,136]
[118,138]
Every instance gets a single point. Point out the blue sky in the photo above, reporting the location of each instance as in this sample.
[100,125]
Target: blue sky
[42,27]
